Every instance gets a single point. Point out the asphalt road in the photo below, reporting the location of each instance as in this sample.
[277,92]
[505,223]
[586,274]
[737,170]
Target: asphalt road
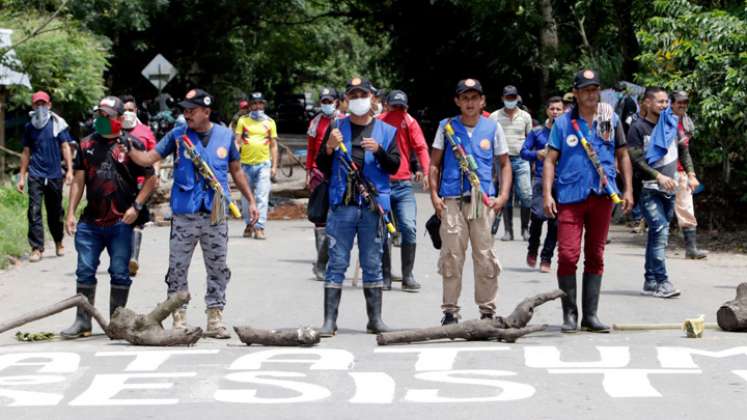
[621,375]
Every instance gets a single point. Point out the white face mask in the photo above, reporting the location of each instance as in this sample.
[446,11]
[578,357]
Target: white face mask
[360,106]
[328,109]
[129,120]
[257,115]
[510,104]
[40,117]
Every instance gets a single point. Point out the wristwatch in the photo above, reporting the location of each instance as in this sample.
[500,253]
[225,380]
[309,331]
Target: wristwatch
[137,206]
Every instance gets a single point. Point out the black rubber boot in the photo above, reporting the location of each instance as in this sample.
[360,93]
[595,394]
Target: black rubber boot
[691,245]
[373,309]
[386,265]
[508,224]
[118,298]
[570,310]
[408,262]
[322,253]
[590,300]
[82,325]
[525,217]
[449,318]
[331,304]
[137,239]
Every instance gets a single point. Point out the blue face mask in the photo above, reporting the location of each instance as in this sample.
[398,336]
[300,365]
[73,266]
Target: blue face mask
[328,109]
[257,115]
[510,104]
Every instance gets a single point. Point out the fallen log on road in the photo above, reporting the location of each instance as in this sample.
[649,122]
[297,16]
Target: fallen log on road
[507,329]
[147,330]
[71,302]
[732,315]
[303,337]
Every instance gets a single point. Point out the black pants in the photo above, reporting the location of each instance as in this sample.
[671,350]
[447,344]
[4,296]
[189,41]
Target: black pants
[49,190]
[535,231]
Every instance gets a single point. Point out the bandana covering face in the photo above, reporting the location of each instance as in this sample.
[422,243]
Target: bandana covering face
[129,121]
[106,126]
[40,117]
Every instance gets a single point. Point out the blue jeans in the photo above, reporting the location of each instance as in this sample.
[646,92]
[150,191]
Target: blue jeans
[90,241]
[658,209]
[522,182]
[259,181]
[405,210]
[343,224]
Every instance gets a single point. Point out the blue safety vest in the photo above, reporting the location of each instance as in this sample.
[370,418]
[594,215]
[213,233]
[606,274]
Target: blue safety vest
[191,193]
[384,134]
[575,177]
[481,146]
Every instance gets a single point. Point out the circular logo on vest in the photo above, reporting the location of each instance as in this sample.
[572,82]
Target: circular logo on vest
[571,140]
[485,144]
[221,152]
[186,154]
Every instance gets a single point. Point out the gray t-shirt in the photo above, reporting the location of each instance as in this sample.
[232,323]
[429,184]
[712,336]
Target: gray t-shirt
[516,129]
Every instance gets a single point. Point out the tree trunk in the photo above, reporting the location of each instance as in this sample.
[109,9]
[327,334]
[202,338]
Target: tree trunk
[72,302]
[626,37]
[303,336]
[507,329]
[548,44]
[146,330]
[732,315]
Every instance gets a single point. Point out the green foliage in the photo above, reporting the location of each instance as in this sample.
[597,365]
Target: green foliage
[63,59]
[13,207]
[704,52]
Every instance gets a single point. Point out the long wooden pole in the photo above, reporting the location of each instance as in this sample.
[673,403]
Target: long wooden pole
[72,302]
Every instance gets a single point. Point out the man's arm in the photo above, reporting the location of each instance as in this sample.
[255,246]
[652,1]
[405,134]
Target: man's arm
[239,178]
[506,181]
[548,178]
[145,158]
[67,156]
[434,179]
[76,192]
[25,158]
[274,156]
[418,143]
[626,167]
[527,149]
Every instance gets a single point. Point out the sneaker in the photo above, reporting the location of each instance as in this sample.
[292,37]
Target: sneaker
[59,249]
[259,234]
[545,267]
[649,287]
[666,290]
[36,256]
[486,316]
[449,318]
[640,228]
[248,231]
[531,260]
[132,267]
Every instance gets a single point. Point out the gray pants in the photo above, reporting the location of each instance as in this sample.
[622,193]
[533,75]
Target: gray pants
[186,231]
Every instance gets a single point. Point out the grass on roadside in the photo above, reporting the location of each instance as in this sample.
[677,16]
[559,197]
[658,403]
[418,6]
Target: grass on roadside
[13,224]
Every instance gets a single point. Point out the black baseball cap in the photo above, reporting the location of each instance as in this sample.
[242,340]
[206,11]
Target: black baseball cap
[396,98]
[467,85]
[327,93]
[510,90]
[358,83]
[112,105]
[586,77]
[197,98]
[257,97]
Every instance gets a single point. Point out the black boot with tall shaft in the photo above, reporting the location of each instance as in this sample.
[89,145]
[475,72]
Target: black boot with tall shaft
[409,284]
[82,325]
[373,308]
[570,310]
[331,304]
[590,300]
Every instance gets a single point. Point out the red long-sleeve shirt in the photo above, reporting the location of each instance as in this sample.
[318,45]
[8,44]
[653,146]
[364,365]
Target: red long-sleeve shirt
[314,138]
[409,137]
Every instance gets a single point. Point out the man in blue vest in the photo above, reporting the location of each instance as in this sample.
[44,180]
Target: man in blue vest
[464,217]
[584,206]
[371,146]
[192,201]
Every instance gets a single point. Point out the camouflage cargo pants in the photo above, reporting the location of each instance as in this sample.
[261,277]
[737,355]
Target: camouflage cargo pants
[186,231]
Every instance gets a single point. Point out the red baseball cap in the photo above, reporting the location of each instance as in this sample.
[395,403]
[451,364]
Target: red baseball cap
[243,105]
[40,96]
